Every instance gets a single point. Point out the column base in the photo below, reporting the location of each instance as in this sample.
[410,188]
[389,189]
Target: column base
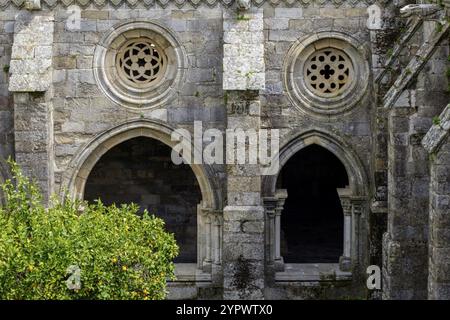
[345,264]
[278,265]
[206,266]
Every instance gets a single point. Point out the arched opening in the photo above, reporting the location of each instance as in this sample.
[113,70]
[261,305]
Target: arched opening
[312,219]
[140,170]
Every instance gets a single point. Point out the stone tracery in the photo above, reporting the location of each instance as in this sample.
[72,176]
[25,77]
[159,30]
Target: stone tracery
[329,72]
[140,62]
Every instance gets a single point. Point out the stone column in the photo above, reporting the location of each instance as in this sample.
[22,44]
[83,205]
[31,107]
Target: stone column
[243,225]
[281,196]
[31,79]
[357,212]
[345,260]
[204,244]
[209,244]
[217,223]
[273,206]
[270,203]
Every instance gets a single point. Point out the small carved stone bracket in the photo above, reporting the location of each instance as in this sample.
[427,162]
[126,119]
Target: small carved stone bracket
[32,5]
[243,5]
[239,108]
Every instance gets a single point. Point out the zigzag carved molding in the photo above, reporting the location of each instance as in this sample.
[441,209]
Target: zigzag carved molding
[181,3]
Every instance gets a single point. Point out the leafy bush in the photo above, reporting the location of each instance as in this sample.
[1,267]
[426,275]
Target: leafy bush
[119,254]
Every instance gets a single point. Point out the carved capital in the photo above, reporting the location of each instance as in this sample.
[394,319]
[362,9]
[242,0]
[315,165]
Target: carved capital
[216,219]
[270,204]
[281,196]
[357,207]
[345,197]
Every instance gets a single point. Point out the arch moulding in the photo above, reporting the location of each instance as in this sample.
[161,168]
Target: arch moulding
[353,199]
[77,173]
[357,177]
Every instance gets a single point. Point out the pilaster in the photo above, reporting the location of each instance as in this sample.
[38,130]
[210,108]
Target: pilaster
[243,225]
[31,83]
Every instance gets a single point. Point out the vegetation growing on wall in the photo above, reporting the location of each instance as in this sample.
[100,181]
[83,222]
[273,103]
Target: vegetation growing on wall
[64,252]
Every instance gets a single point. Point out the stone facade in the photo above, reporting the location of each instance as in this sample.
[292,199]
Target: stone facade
[437,143]
[359,78]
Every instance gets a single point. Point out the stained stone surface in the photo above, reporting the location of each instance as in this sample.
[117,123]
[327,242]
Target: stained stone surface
[243,51]
[437,143]
[56,122]
[31,57]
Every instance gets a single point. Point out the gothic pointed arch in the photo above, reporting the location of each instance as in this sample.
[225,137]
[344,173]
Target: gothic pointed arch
[358,181]
[74,179]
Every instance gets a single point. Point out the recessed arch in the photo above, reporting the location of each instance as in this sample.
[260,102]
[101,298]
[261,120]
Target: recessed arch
[74,179]
[140,171]
[358,181]
[352,199]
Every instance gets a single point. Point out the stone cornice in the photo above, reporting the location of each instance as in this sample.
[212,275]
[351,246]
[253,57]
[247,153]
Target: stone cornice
[187,3]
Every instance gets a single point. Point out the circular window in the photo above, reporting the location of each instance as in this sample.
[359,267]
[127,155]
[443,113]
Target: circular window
[326,76]
[328,72]
[140,62]
[139,65]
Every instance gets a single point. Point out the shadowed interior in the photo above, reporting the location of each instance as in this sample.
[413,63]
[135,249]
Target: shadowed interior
[312,218]
[140,170]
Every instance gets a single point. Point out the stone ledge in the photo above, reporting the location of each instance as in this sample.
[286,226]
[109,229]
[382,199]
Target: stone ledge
[188,272]
[316,272]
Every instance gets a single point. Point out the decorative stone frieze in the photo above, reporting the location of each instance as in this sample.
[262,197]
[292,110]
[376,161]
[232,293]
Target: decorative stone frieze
[182,3]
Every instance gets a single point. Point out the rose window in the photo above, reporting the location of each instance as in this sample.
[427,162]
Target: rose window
[140,62]
[328,72]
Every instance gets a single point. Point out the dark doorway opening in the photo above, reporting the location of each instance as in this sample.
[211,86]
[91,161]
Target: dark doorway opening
[140,170]
[312,218]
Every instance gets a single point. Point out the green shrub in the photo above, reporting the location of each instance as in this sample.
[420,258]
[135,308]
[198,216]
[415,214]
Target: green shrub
[120,254]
